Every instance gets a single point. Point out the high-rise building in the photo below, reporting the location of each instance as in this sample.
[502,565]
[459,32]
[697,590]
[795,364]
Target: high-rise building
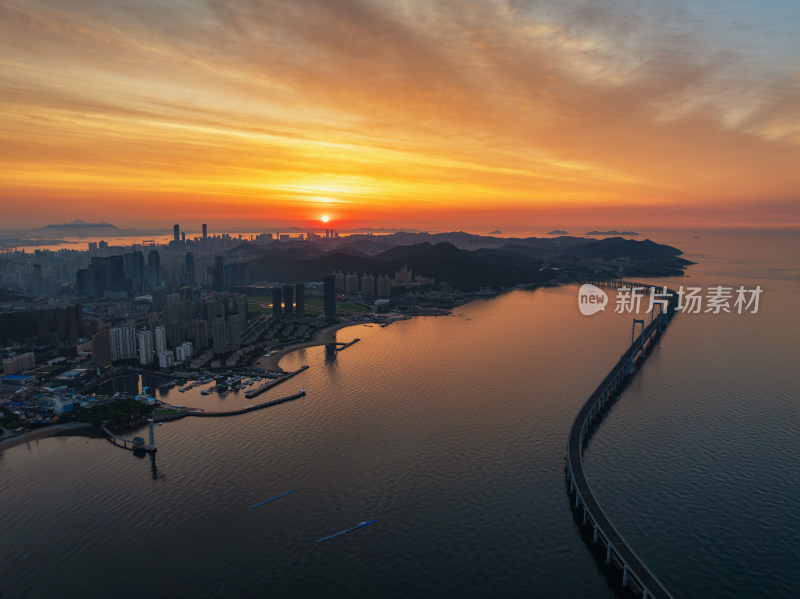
[219,272]
[160,339]
[383,286]
[276,302]
[134,270]
[123,343]
[234,333]
[184,351]
[404,275]
[339,281]
[288,301]
[300,300]
[101,346]
[329,297]
[198,333]
[100,275]
[189,271]
[166,360]
[205,232]
[146,352]
[176,234]
[153,269]
[368,284]
[83,282]
[119,282]
[234,275]
[241,307]
[220,335]
[351,283]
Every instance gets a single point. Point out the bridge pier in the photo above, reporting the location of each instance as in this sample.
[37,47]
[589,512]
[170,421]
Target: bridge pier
[594,538]
[625,575]
[608,553]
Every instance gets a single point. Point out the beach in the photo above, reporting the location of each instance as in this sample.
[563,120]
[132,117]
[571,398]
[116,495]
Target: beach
[321,337]
[39,433]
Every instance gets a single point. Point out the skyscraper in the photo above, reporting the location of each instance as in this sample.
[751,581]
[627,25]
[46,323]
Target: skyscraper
[101,346]
[189,277]
[288,301]
[329,297]
[176,234]
[145,348]
[368,284]
[276,303]
[205,232]
[220,335]
[234,333]
[153,269]
[160,339]
[123,343]
[219,272]
[300,300]
[134,270]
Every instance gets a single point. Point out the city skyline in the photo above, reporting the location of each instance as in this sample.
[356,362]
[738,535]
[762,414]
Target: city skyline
[435,116]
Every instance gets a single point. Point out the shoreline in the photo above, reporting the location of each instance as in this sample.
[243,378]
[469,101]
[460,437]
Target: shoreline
[321,337]
[41,433]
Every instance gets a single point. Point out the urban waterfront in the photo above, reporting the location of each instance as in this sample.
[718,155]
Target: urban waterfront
[450,432]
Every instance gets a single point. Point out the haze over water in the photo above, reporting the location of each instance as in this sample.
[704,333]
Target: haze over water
[450,432]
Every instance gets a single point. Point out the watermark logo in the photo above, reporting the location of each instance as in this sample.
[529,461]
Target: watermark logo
[591,299]
[688,300]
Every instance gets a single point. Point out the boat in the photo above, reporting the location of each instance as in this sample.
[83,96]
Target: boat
[205,392]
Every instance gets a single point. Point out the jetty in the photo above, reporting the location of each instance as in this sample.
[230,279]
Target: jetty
[635,573]
[273,383]
[246,409]
[135,444]
[340,345]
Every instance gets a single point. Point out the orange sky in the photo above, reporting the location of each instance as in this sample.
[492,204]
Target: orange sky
[437,115]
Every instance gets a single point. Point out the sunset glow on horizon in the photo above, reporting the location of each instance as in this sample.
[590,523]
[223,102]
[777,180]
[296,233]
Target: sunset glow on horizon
[440,115]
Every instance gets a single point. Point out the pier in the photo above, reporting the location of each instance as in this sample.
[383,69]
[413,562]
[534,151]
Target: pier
[635,573]
[259,390]
[135,444]
[340,345]
[246,409]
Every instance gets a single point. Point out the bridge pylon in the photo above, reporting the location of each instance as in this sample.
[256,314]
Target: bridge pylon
[638,344]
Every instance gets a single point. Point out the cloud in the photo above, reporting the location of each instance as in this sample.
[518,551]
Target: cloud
[427,103]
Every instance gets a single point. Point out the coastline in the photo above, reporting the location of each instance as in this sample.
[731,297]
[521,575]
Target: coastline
[321,337]
[41,433]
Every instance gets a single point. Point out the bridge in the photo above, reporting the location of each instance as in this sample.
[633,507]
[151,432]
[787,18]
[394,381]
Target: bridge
[635,573]
[135,444]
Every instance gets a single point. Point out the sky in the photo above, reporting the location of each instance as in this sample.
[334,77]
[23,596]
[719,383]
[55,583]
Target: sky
[438,115]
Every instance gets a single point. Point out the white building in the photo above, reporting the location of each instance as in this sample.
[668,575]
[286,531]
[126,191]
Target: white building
[145,348]
[160,339]
[166,360]
[123,343]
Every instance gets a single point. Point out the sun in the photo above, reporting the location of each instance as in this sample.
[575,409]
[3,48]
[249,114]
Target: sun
[325,219]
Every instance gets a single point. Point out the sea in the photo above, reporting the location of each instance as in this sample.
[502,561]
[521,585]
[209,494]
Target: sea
[450,433]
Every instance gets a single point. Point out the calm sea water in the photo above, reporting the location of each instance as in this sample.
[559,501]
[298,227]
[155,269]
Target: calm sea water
[450,432]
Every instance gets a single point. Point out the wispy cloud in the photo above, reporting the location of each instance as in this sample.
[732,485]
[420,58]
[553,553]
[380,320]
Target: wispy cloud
[428,103]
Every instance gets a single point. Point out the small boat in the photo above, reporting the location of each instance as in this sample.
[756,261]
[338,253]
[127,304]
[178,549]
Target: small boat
[205,392]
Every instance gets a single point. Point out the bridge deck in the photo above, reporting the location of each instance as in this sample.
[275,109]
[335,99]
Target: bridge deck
[651,586]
